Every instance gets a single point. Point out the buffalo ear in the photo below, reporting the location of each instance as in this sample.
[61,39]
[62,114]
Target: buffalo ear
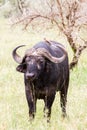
[21,68]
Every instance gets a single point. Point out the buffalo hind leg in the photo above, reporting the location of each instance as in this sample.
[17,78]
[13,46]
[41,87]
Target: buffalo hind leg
[63,101]
[48,104]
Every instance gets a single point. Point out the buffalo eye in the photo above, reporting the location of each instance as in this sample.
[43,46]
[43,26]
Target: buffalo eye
[40,62]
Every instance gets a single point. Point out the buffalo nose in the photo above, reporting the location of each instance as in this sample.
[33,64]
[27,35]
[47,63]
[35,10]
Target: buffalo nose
[30,75]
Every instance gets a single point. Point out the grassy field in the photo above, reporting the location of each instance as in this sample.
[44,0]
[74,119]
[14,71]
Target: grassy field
[13,105]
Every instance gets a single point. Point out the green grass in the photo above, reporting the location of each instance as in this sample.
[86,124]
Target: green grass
[13,104]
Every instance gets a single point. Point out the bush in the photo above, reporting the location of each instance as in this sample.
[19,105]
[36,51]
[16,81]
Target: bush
[6,9]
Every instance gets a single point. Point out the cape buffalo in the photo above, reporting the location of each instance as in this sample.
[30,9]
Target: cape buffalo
[46,71]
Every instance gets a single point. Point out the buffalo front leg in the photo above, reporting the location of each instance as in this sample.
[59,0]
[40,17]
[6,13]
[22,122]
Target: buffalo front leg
[31,100]
[48,104]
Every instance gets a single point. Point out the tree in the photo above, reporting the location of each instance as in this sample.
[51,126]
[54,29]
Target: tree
[22,5]
[68,16]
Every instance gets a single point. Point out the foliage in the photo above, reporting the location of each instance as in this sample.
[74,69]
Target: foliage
[7,9]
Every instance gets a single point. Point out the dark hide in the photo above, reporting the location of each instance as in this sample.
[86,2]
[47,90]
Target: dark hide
[44,78]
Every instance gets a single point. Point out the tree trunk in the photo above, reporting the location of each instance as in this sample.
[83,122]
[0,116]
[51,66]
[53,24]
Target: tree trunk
[77,51]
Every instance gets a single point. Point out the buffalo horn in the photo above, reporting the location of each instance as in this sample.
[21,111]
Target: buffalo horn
[47,54]
[16,57]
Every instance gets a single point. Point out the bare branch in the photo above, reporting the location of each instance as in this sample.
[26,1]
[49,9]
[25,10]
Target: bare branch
[61,12]
[72,11]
